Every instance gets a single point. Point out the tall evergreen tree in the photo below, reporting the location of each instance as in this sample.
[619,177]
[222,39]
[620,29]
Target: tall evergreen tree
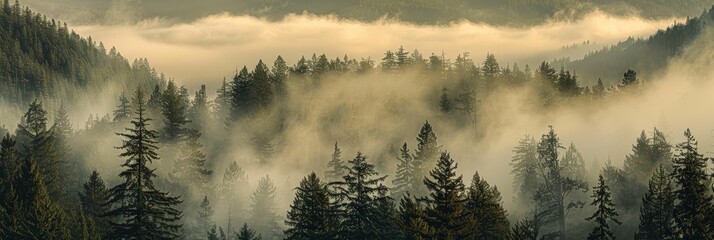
[222,103]
[173,109]
[34,215]
[279,74]
[412,219]
[189,167]
[404,180]
[426,155]
[199,113]
[142,211]
[694,199]
[657,211]
[262,86]
[488,216]
[524,167]
[123,109]
[39,144]
[552,195]
[359,192]
[335,167]
[605,212]
[242,99]
[246,233]
[310,215]
[262,209]
[446,213]
[93,199]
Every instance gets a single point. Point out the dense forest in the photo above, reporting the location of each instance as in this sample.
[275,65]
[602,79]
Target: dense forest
[512,13]
[330,148]
[43,59]
[649,55]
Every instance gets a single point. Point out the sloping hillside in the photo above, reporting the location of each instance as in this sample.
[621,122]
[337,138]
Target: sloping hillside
[43,59]
[646,56]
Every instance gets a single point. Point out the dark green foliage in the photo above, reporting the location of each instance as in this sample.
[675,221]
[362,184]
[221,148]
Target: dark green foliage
[262,209]
[246,233]
[42,146]
[426,155]
[310,215]
[405,180]
[359,193]
[629,78]
[173,109]
[646,55]
[446,213]
[123,109]
[43,59]
[140,209]
[262,86]
[605,212]
[335,167]
[93,199]
[412,219]
[693,197]
[33,214]
[489,217]
[567,84]
[657,211]
[278,76]
[242,97]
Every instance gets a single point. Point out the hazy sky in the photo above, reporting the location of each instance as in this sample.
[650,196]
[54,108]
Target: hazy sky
[210,48]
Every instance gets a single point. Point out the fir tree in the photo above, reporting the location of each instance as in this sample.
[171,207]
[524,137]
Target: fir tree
[93,199]
[310,215]
[8,161]
[445,212]
[484,203]
[426,155]
[246,233]
[335,167]
[445,103]
[123,110]
[205,217]
[199,108]
[524,169]
[694,200]
[389,62]
[279,75]
[212,234]
[359,192]
[412,219]
[262,86]
[173,109]
[262,209]
[34,215]
[552,195]
[402,57]
[39,144]
[405,179]
[189,168]
[222,103]
[605,212]
[141,210]
[242,98]
[657,211]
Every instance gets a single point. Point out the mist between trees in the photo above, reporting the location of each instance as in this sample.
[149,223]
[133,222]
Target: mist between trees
[167,164]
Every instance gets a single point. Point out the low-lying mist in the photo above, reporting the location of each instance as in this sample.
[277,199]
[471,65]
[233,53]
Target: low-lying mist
[206,50]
